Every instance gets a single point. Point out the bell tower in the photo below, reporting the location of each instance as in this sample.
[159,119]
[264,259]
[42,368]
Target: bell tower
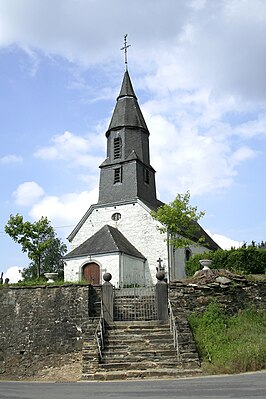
[126,174]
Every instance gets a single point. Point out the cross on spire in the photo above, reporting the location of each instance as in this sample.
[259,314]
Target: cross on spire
[125,47]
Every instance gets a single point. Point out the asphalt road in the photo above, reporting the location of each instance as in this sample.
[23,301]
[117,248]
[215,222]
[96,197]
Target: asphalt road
[246,386]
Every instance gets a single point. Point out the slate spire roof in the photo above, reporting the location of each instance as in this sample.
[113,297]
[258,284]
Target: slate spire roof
[126,173]
[127,112]
[106,240]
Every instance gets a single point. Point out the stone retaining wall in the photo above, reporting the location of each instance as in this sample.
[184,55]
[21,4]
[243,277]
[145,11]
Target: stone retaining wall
[37,322]
[40,325]
[187,298]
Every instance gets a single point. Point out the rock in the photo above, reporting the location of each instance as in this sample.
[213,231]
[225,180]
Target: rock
[202,300]
[223,280]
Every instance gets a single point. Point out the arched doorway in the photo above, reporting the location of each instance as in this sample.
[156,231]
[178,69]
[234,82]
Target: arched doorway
[91,273]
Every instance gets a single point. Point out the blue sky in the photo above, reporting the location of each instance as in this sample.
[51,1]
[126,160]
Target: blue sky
[198,69]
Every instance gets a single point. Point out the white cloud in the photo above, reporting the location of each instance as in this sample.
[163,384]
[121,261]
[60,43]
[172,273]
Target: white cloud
[76,150]
[11,158]
[63,211]
[76,29]
[66,209]
[13,274]
[203,62]
[28,193]
[206,61]
[252,128]
[225,242]
[197,43]
[187,159]
[241,154]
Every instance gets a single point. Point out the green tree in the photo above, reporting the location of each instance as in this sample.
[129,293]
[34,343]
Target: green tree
[179,220]
[39,240]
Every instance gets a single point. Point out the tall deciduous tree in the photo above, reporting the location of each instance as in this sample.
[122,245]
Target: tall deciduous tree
[39,240]
[179,220]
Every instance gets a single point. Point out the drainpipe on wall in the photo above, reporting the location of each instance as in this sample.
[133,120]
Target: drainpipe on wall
[121,270]
[169,263]
[144,272]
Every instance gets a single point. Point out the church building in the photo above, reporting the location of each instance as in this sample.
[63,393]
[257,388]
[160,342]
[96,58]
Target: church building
[118,234]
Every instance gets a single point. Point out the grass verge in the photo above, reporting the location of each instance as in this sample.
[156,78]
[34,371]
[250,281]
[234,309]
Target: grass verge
[230,344]
[42,282]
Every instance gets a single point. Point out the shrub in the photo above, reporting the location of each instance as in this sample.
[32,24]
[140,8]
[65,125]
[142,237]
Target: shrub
[250,260]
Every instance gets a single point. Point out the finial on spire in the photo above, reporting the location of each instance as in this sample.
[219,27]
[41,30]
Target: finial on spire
[125,47]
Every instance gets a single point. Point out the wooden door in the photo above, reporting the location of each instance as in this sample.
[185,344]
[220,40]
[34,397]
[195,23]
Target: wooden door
[91,273]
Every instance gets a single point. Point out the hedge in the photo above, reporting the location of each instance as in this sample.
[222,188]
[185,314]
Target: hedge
[250,260]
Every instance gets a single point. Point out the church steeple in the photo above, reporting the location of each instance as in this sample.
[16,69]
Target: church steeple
[127,111]
[126,174]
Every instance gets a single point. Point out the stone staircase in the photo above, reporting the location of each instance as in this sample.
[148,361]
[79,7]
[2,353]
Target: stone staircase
[141,349]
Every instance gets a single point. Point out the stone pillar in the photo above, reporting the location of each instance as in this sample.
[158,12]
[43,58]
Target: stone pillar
[108,298]
[161,297]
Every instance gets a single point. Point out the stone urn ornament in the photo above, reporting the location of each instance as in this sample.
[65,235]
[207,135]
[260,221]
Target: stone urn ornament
[50,277]
[205,263]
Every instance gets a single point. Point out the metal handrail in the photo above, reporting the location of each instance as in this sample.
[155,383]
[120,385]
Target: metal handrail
[173,328]
[99,333]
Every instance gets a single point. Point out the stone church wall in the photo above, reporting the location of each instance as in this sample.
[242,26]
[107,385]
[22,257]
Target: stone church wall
[138,227]
[41,322]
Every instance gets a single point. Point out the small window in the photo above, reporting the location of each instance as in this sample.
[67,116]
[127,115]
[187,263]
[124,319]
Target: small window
[117,147]
[188,254]
[118,175]
[147,176]
[116,216]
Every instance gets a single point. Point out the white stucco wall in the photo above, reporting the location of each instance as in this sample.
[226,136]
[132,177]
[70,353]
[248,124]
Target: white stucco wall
[178,269]
[138,227]
[141,230]
[108,263]
[132,271]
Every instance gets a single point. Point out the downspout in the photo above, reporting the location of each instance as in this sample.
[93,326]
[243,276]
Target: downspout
[121,270]
[169,263]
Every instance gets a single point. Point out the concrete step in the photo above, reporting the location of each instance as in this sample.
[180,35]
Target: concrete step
[150,327]
[137,348]
[140,365]
[130,340]
[115,358]
[144,353]
[137,330]
[123,334]
[141,374]
[190,356]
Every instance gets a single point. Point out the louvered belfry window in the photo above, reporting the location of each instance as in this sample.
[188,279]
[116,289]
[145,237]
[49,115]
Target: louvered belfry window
[117,147]
[147,176]
[117,175]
